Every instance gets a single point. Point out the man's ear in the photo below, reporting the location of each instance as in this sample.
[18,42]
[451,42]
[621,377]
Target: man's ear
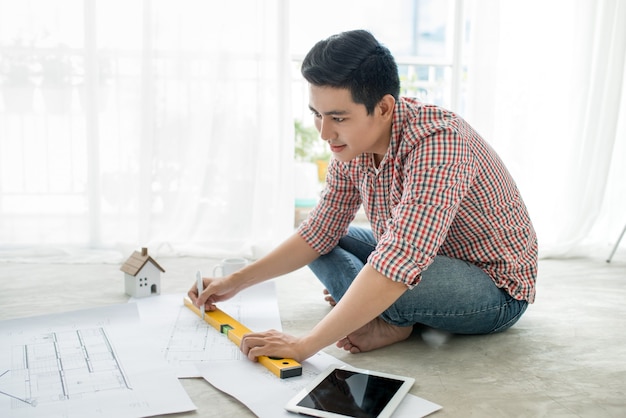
[386,106]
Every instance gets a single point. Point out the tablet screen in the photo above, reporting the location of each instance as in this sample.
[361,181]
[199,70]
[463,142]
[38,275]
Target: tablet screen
[352,393]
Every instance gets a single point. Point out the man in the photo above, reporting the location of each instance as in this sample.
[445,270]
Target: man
[451,245]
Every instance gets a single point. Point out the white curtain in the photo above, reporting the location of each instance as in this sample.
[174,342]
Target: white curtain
[547,89]
[176,133]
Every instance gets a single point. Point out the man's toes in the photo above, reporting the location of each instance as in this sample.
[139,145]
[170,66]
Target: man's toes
[329,298]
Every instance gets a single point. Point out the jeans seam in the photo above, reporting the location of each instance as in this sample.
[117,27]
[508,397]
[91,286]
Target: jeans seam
[360,241]
[476,312]
[353,266]
[396,319]
[511,321]
[486,309]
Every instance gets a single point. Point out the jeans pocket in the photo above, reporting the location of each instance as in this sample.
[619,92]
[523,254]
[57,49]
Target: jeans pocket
[510,314]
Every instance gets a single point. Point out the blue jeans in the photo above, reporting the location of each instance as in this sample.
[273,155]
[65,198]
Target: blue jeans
[453,295]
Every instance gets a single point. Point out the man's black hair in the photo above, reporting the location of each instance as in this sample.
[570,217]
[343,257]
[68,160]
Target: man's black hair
[354,60]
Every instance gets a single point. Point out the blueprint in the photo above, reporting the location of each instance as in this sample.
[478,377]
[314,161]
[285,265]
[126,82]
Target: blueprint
[266,395]
[84,363]
[185,340]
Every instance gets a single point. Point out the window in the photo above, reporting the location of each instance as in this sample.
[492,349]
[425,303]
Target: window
[100,103]
[425,37]
[183,101]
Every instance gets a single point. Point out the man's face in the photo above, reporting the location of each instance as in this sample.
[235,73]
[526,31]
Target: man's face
[345,125]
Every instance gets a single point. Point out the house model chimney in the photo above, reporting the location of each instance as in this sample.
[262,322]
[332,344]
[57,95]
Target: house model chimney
[144,251]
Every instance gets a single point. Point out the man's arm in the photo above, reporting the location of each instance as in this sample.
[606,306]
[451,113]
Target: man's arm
[370,294]
[292,254]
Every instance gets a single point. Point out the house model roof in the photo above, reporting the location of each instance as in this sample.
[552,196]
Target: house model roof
[137,260]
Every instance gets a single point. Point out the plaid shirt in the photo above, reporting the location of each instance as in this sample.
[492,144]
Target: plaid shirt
[439,190]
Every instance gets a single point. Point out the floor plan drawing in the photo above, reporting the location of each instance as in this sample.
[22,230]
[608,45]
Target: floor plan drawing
[186,340]
[191,340]
[94,362]
[62,365]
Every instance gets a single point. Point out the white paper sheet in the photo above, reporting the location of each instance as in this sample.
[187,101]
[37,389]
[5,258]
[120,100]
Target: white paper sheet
[266,395]
[84,363]
[184,340]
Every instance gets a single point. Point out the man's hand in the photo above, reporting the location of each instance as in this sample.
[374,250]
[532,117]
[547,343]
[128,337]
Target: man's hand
[215,290]
[273,343]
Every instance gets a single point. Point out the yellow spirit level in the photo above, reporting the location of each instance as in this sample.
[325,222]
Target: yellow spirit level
[224,323]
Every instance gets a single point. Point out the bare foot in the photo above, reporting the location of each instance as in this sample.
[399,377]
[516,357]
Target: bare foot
[329,298]
[373,335]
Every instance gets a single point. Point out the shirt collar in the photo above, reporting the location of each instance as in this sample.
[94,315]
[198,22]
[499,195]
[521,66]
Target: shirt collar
[365,161]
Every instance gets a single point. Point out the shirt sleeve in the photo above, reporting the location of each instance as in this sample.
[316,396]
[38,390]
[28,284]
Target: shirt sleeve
[329,220]
[432,179]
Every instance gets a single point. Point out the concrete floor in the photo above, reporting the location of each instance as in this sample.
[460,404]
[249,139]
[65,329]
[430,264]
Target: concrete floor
[565,358]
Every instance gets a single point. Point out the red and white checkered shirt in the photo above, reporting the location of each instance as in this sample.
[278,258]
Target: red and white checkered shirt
[439,190]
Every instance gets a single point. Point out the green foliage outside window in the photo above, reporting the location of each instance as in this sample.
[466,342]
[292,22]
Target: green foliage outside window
[308,145]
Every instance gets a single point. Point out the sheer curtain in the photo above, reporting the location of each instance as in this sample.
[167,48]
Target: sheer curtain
[546,88]
[175,130]
[168,124]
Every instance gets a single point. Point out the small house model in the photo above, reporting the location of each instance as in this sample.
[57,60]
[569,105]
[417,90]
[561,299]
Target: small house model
[142,275]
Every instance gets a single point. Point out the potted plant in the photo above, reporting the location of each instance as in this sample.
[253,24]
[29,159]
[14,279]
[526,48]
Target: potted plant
[310,148]
[17,68]
[311,158]
[56,79]
[102,76]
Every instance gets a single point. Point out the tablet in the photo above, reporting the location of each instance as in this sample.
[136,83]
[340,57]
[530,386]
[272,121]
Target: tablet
[345,391]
